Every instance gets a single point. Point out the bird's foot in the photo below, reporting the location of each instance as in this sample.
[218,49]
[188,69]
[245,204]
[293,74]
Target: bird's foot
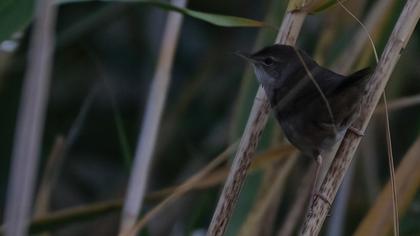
[357,132]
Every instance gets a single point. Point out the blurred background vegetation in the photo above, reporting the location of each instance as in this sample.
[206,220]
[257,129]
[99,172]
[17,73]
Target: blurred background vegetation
[105,56]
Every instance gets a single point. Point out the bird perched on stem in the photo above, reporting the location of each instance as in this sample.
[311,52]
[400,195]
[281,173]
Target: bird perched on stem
[313,105]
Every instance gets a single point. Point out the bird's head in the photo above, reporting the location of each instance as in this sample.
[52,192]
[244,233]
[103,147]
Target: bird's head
[270,63]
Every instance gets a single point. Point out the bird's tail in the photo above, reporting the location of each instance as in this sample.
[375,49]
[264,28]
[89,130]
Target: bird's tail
[358,79]
[361,74]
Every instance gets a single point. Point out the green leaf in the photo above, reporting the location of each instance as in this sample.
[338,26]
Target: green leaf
[15,15]
[325,5]
[215,19]
[310,6]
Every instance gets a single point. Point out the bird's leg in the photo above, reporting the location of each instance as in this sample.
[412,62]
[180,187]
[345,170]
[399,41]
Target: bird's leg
[356,131]
[314,192]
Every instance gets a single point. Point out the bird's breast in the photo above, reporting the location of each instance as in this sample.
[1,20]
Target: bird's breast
[307,135]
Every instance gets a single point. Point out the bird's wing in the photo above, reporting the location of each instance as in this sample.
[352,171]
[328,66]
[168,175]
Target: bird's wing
[343,97]
[345,100]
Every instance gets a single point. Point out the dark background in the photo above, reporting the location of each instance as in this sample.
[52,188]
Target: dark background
[105,58]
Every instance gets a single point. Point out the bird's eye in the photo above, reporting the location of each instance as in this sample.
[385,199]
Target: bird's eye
[268,61]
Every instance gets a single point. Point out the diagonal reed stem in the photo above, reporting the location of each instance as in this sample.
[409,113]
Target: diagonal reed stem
[397,42]
[288,33]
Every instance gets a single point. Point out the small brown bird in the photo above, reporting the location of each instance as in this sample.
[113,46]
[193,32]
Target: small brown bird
[313,105]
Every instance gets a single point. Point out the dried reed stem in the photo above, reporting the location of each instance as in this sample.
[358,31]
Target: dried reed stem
[300,202]
[348,58]
[288,33]
[150,127]
[374,23]
[398,40]
[400,103]
[60,218]
[378,221]
[49,177]
[57,156]
[213,176]
[269,196]
[30,121]
[188,185]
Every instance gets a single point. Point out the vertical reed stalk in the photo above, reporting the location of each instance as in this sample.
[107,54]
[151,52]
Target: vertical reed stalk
[147,140]
[30,121]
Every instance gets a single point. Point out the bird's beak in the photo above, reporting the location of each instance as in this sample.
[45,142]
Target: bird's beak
[246,56]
